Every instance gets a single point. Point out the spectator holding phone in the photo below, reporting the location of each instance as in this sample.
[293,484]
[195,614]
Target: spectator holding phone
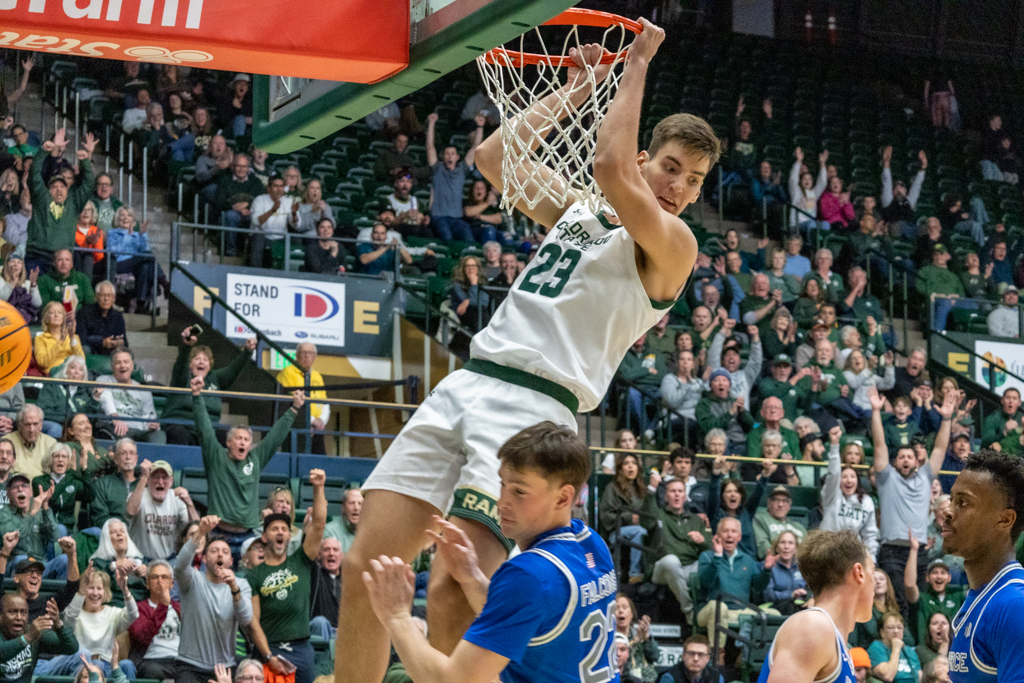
[196,360]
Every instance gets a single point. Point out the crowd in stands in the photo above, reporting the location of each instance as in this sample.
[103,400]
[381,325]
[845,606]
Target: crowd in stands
[776,351]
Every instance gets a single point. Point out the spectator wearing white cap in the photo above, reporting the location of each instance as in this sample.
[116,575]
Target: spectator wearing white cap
[235,109]
[253,552]
[1004,320]
[157,512]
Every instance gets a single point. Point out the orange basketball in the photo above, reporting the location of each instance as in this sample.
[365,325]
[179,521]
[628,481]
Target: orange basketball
[15,346]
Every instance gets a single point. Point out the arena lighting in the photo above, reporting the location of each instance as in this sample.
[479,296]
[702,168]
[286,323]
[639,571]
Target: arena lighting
[358,41]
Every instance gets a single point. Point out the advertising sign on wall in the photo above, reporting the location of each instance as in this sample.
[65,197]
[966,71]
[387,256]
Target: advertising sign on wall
[288,310]
[1004,360]
[345,315]
[991,362]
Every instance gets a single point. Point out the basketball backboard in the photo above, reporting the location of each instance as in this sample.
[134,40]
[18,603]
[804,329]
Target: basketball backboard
[291,113]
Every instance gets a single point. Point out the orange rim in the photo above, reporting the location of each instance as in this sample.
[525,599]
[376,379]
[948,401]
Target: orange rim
[571,17]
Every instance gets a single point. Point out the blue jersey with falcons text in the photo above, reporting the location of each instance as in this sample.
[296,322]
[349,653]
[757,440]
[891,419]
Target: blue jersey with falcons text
[843,673]
[551,611]
[988,631]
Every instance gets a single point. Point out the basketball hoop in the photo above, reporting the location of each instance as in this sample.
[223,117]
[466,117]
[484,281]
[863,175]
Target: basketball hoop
[561,138]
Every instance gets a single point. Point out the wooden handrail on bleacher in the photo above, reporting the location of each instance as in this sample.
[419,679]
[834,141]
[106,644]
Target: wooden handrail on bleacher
[741,458]
[159,389]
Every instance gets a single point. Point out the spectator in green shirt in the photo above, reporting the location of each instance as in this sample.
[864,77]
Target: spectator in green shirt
[831,284]
[641,371]
[936,282]
[678,540]
[757,307]
[281,590]
[53,284]
[977,285]
[997,425]
[938,595]
[22,641]
[233,473]
[793,390]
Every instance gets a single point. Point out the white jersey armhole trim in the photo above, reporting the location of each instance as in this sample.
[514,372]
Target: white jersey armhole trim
[569,609]
[984,668]
[840,649]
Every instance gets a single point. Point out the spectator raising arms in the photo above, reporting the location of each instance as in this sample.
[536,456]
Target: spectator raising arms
[448,176]
[804,193]
[96,623]
[281,603]
[233,473]
[57,205]
[843,501]
[904,491]
[213,605]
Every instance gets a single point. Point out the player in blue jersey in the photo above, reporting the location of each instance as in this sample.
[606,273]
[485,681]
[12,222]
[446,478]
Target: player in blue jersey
[547,615]
[982,525]
[811,645]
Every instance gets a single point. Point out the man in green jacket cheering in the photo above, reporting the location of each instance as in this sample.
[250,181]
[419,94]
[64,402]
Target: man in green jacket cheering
[55,205]
[938,282]
[233,473]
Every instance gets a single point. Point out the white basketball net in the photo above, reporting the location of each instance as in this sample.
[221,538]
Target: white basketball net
[560,138]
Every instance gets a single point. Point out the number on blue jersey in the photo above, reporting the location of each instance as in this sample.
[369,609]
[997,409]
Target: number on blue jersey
[604,623]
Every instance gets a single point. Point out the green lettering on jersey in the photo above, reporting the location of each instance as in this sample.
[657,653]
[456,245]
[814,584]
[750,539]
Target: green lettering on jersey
[546,260]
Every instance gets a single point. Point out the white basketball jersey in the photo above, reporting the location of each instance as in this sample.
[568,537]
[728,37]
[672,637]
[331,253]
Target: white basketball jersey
[574,311]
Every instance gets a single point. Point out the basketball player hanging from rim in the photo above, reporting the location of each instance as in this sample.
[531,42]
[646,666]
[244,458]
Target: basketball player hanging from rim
[550,350]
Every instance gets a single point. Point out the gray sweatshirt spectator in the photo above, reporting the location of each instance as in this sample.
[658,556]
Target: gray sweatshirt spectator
[681,397]
[729,360]
[842,510]
[212,608]
[1004,320]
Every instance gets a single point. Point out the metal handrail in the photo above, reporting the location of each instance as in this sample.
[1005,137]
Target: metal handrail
[111,266]
[214,298]
[287,237]
[988,302]
[248,395]
[737,458]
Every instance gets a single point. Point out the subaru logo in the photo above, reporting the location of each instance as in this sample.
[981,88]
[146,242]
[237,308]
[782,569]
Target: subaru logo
[301,335]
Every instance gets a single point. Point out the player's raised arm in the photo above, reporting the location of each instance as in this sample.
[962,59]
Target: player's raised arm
[650,189]
[531,127]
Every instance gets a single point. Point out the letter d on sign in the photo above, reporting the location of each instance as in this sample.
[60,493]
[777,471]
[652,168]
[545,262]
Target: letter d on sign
[364,317]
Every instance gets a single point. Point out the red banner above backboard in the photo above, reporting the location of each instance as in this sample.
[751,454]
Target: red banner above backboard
[359,41]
